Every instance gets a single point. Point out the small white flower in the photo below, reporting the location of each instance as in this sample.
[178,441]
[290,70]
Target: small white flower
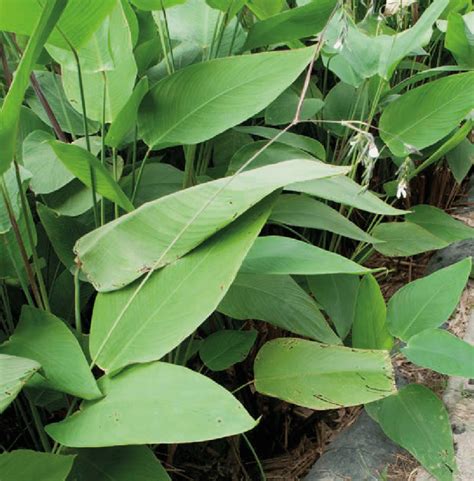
[339,44]
[373,150]
[402,189]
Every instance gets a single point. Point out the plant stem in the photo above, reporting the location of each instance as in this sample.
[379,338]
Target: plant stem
[189,154]
[139,177]
[254,454]
[77,301]
[39,425]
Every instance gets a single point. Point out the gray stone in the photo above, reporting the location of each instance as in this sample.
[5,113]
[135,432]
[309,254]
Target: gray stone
[359,453]
[450,255]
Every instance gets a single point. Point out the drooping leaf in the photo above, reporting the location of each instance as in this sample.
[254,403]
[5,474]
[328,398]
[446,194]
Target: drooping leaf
[304,211]
[81,162]
[14,373]
[25,465]
[118,464]
[11,108]
[319,376]
[282,255]
[199,280]
[278,300]
[224,348]
[369,330]
[156,403]
[461,160]
[291,24]
[43,337]
[441,351]
[428,302]
[345,191]
[264,9]
[417,420]
[460,38]
[337,293]
[162,231]
[426,114]
[241,87]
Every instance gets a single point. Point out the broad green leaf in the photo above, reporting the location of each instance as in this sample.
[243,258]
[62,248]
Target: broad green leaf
[282,255]
[155,4]
[224,348]
[159,232]
[319,376]
[62,232]
[282,110]
[240,87]
[369,330]
[303,211]
[440,351]
[79,20]
[264,9]
[126,463]
[440,224]
[156,403]
[460,38]
[25,465]
[424,115]
[48,173]
[81,163]
[127,117]
[461,160]
[292,24]
[417,420]
[428,302]
[273,154]
[302,142]
[199,280]
[46,339]
[232,7]
[337,293]
[11,108]
[116,83]
[68,118]
[14,373]
[278,300]
[345,191]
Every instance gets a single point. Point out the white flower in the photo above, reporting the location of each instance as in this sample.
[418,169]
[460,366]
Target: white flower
[402,189]
[339,44]
[373,150]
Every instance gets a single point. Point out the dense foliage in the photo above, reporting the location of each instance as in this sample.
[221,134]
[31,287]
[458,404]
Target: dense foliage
[171,169]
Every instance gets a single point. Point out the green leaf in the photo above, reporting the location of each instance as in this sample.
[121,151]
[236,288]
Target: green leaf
[199,280]
[81,163]
[49,174]
[460,38]
[11,108]
[304,211]
[224,348]
[240,87]
[345,191]
[14,374]
[440,351]
[337,293]
[440,224]
[369,330]
[264,9]
[302,142]
[79,20]
[46,339]
[24,465]
[127,117]
[417,420]
[282,255]
[68,118]
[158,238]
[117,464]
[155,4]
[291,24]
[156,403]
[427,302]
[319,376]
[461,159]
[424,115]
[232,7]
[278,300]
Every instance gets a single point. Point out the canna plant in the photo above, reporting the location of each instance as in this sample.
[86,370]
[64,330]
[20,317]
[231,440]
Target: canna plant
[171,169]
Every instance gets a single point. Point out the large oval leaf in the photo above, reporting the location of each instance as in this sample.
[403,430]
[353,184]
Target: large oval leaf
[319,376]
[174,301]
[426,114]
[151,404]
[161,231]
[198,109]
